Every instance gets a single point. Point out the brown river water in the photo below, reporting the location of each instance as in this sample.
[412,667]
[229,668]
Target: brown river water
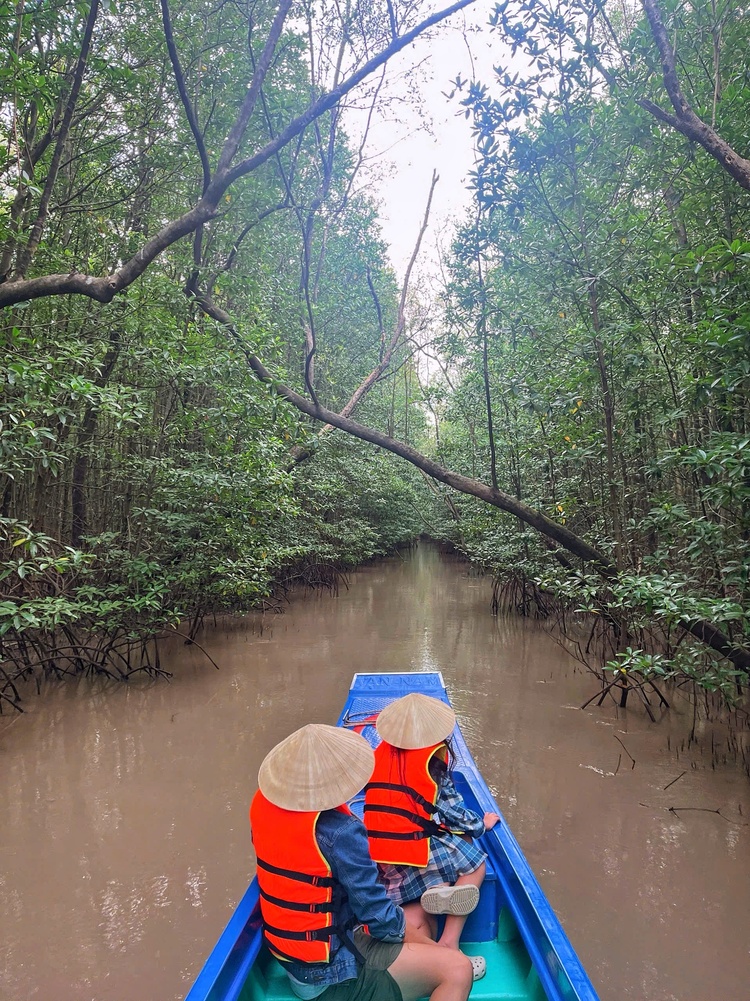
[124,839]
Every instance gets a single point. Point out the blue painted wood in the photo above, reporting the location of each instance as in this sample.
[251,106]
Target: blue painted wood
[226,969]
[557,966]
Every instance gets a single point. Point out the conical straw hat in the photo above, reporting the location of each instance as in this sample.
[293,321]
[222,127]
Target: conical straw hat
[318,767]
[416,721]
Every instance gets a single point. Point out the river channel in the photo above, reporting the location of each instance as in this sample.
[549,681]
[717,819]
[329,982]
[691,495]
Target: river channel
[124,839]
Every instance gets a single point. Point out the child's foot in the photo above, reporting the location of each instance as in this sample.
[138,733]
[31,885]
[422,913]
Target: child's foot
[450,899]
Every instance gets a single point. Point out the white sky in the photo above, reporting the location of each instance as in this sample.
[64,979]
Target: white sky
[432,134]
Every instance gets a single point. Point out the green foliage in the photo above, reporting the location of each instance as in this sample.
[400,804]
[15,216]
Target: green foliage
[150,468]
[687,665]
[595,338]
[356,504]
[609,270]
[655,606]
[629,662]
[34,572]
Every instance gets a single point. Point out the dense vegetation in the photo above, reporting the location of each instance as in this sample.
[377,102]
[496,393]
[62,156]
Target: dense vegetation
[192,278]
[148,476]
[598,312]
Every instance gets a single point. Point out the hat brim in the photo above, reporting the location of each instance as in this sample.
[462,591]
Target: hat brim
[318,767]
[416,720]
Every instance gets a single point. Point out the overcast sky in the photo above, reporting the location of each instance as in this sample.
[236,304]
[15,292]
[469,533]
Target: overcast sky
[430,133]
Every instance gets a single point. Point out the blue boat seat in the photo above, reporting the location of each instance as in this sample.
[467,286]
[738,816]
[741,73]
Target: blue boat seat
[482,924]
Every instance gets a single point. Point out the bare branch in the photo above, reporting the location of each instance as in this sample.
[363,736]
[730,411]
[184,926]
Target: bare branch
[379,312]
[497,498]
[180,81]
[386,352]
[685,119]
[105,289]
[27,254]
[328,100]
[248,105]
[229,262]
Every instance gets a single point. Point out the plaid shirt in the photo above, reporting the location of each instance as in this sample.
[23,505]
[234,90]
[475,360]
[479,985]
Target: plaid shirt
[450,855]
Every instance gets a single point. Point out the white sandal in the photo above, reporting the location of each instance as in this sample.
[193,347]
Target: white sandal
[478,966]
[458,900]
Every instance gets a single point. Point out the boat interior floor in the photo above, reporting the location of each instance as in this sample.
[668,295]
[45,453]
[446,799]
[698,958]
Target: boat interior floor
[508,976]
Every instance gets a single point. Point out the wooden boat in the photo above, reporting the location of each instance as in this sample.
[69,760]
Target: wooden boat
[529,957]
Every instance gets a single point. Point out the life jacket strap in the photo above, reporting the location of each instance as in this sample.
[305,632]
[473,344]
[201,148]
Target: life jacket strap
[301,877]
[324,907]
[314,935]
[431,827]
[416,796]
[391,836]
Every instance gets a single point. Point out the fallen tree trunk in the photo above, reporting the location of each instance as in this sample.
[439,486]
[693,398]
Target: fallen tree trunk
[705,631]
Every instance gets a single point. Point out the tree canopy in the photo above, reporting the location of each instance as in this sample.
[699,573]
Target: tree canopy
[192,276]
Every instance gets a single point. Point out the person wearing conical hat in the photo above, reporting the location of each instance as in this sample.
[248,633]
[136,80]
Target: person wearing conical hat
[419,828]
[326,917]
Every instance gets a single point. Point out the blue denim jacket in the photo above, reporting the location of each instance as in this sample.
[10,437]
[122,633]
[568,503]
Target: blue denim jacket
[358,898]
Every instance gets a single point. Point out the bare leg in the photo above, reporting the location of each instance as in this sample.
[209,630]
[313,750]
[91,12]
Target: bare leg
[443,974]
[454,923]
[418,919]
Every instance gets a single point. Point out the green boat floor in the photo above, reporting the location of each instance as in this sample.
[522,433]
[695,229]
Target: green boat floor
[507,976]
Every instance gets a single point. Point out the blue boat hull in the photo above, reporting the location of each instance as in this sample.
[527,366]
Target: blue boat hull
[529,957]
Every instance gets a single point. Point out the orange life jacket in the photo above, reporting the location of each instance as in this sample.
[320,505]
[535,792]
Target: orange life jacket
[296,885]
[399,803]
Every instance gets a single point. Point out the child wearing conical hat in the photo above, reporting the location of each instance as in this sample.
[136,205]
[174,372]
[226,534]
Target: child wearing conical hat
[421,833]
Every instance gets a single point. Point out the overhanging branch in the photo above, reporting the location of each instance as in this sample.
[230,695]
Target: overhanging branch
[685,119]
[104,289]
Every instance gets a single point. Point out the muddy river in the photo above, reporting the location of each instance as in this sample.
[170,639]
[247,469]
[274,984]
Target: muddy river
[124,840]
